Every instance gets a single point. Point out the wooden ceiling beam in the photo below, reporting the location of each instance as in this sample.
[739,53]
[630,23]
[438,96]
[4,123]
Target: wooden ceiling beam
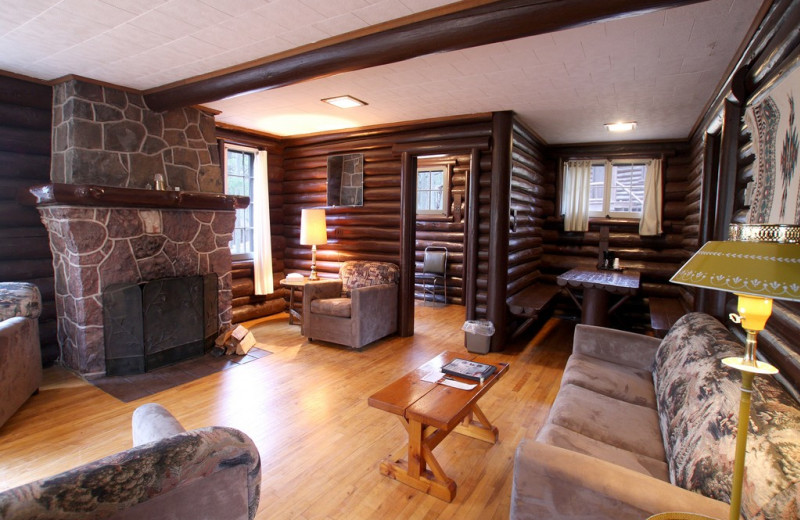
[485,24]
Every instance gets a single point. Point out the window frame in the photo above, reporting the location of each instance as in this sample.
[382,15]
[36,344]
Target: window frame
[254,152]
[434,165]
[609,165]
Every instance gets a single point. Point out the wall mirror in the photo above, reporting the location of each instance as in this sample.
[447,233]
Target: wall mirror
[346,180]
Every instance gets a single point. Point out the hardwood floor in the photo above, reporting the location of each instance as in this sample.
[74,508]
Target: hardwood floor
[306,409]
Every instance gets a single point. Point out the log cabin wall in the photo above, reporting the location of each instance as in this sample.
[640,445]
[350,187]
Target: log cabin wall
[245,303]
[372,231]
[531,203]
[773,50]
[25,130]
[655,257]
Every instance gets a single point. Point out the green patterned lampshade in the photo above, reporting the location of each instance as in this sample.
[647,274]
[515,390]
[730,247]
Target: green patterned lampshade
[768,269]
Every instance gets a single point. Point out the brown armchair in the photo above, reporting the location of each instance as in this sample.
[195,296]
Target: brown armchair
[355,310]
[20,353]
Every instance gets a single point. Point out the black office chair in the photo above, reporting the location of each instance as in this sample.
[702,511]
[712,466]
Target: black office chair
[434,272]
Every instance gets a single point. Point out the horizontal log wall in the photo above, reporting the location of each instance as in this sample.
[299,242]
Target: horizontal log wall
[372,231]
[529,208]
[656,258]
[25,122]
[246,305]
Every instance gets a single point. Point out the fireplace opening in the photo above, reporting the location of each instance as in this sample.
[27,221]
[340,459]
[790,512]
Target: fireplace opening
[160,322]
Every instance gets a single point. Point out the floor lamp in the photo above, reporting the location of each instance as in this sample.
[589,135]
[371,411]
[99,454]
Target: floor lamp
[759,263]
[313,232]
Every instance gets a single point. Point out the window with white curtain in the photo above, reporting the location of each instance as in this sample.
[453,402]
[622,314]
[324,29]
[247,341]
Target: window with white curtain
[239,180]
[617,188]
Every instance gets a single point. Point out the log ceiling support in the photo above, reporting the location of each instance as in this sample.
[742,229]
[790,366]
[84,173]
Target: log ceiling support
[726,192]
[500,205]
[471,235]
[485,24]
[408,236]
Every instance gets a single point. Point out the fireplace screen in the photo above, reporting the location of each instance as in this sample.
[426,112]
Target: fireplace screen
[158,323]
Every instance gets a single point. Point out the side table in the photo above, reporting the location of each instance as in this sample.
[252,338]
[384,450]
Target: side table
[294,285]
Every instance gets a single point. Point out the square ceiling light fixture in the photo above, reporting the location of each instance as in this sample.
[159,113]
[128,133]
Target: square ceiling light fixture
[344,102]
[621,127]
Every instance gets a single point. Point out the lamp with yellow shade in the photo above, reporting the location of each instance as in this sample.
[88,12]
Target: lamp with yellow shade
[758,264]
[313,232]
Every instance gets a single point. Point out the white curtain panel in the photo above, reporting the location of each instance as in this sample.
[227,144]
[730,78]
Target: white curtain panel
[650,224]
[575,196]
[262,255]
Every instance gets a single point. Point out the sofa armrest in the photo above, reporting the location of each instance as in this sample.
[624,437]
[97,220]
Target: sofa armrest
[376,310]
[553,482]
[376,300]
[152,422]
[622,347]
[216,471]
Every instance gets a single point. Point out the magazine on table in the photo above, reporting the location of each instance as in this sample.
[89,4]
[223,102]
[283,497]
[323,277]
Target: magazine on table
[468,369]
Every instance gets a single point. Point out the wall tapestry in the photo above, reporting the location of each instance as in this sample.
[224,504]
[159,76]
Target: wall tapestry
[774,121]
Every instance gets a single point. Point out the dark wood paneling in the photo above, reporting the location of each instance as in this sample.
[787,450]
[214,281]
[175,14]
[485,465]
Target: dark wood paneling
[25,120]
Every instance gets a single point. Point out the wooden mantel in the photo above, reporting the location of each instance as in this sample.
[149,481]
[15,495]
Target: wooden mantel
[110,196]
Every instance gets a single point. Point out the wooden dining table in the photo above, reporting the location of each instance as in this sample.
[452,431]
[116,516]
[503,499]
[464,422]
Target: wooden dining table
[597,285]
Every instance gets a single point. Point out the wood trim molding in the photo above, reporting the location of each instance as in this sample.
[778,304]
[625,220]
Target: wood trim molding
[485,24]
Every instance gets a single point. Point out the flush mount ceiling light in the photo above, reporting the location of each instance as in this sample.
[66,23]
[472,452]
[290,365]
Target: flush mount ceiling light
[344,101]
[621,127]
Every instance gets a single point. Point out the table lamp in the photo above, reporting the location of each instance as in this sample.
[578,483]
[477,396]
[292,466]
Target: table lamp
[313,232]
[759,263]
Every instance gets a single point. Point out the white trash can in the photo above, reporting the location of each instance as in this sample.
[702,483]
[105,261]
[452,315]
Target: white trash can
[478,335]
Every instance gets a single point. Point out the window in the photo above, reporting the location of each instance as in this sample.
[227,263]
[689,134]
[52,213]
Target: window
[433,188]
[239,171]
[616,189]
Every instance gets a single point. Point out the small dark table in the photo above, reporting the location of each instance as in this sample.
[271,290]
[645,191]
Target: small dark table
[596,286]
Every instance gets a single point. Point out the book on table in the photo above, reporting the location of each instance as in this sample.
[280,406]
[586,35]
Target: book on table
[468,369]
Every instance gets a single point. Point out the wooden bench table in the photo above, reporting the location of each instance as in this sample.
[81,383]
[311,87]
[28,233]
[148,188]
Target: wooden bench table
[530,303]
[429,412]
[596,286]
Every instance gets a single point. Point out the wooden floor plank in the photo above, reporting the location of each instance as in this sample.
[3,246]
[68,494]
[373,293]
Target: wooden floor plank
[306,409]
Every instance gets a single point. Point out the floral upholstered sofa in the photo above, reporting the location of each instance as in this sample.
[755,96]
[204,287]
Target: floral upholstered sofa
[642,426]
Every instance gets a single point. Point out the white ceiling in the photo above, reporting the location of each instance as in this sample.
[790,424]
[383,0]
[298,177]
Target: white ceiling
[658,69]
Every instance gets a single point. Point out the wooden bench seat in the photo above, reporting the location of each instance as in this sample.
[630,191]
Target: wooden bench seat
[664,312]
[530,303]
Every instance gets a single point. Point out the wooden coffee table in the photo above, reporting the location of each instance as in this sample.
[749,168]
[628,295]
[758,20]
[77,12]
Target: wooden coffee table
[429,412]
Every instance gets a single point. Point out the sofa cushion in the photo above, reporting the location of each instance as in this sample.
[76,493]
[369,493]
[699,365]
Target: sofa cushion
[624,425]
[555,435]
[611,379]
[340,307]
[698,403]
[357,273]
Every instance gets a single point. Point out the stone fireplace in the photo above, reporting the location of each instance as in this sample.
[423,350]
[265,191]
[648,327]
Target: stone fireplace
[106,228]
[104,236]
